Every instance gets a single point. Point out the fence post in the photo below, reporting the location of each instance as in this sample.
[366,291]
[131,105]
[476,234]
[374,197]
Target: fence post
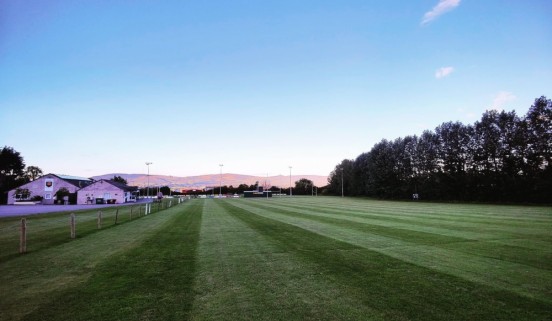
[73,227]
[116,216]
[170,203]
[99,220]
[23,237]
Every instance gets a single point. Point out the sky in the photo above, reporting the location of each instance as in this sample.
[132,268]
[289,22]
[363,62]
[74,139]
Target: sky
[96,87]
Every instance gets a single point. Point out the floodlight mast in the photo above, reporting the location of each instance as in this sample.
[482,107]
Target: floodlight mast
[147,190]
[220,186]
[290,191]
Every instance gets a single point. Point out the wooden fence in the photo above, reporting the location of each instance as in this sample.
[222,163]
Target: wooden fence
[85,223]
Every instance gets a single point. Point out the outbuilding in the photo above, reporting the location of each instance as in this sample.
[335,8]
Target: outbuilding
[258,193]
[106,191]
[44,189]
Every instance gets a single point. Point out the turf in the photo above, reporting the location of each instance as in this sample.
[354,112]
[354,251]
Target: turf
[300,258]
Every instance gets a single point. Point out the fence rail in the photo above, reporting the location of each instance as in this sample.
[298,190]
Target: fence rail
[22,235]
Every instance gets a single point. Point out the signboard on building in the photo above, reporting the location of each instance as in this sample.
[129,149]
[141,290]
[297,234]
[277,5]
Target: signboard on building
[48,185]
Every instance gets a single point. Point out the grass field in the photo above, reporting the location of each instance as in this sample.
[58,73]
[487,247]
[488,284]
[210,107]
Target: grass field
[300,258]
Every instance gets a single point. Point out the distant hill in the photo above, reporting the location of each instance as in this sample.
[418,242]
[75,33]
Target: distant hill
[210,180]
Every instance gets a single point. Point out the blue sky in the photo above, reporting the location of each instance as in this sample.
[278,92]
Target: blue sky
[93,87]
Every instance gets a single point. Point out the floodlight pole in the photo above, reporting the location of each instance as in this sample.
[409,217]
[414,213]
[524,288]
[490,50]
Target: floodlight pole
[220,186]
[147,190]
[290,191]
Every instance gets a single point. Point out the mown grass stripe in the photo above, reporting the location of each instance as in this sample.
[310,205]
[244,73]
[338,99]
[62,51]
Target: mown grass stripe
[31,280]
[479,243]
[402,233]
[245,276]
[495,249]
[403,290]
[49,230]
[519,278]
[464,212]
[484,228]
[456,215]
[151,282]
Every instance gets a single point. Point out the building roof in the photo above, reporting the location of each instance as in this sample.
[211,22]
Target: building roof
[73,178]
[121,186]
[79,182]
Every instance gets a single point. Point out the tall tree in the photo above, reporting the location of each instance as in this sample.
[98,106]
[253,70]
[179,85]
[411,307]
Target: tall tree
[455,159]
[165,190]
[361,174]
[33,172]
[427,166]
[340,179]
[539,121]
[11,171]
[539,156]
[381,168]
[454,139]
[427,154]
[303,187]
[119,179]
[11,162]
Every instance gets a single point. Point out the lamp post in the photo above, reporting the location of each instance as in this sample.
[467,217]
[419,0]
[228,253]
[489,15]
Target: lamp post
[147,190]
[290,192]
[220,186]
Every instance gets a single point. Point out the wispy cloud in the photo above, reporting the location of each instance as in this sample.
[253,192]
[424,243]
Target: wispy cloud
[501,99]
[443,72]
[442,7]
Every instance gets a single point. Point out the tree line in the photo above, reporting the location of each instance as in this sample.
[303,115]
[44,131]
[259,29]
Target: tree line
[500,158]
[303,186]
[14,172]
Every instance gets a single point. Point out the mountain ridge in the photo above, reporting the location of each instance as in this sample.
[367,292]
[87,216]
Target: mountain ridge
[212,180]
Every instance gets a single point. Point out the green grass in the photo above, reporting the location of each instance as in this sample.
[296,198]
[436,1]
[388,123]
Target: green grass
[301,258]
[45,231]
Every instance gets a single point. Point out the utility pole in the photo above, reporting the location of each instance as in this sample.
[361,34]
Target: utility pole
[147,190]
[290,192]
[220,186]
